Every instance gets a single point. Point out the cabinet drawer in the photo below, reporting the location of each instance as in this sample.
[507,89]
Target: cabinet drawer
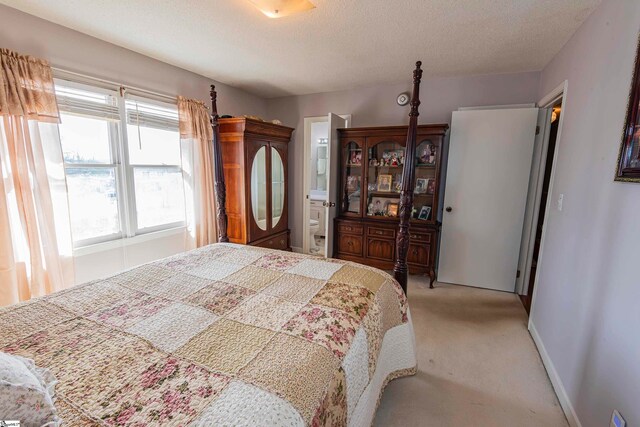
[350,228]
[278,241]
[419,254]
[419,237]
[381,232]
[348,244]
[381,249]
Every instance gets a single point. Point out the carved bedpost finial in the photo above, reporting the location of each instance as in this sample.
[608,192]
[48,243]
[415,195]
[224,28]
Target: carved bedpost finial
[218,180]
[415,99]
[400,269]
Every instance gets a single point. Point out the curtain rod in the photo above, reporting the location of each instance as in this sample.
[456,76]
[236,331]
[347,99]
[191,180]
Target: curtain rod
[110,82]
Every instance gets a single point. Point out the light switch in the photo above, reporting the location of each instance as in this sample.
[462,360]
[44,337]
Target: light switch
[560,200]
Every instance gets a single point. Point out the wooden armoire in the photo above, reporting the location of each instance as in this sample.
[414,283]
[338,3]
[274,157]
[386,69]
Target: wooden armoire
[371,166]
[254,158]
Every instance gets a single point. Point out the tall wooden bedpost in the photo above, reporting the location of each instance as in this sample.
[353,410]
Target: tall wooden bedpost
[400,269]
[218,180]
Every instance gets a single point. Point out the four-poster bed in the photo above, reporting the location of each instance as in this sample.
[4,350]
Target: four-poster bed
[225,334]
[400,269]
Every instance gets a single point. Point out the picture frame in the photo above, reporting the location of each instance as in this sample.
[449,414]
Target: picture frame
[628,165]
[431,186]
[379,206]
[425,211]
[421,185]
[355,157]
[353,183]
[392,209]
[385,182]
[426,155]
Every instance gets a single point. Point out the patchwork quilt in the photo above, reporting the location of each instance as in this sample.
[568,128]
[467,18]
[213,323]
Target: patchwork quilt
[222,335]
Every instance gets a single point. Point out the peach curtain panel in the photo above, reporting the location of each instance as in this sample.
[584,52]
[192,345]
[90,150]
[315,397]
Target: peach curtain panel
[35,238]
[197,166]
[26,88]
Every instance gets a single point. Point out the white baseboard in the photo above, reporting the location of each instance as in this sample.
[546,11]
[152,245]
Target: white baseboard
[565,403]
[296,249]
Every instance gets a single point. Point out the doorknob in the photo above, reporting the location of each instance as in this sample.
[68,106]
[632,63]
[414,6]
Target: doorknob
[328,204]
[448,209]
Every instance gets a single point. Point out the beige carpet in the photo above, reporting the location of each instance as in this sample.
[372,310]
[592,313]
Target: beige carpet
[477,364]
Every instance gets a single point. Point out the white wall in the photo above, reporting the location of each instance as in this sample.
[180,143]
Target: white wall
[376,106]
[585,309]
[73,51]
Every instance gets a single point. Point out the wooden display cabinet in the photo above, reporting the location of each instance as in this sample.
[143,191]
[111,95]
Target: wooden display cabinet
[371,174]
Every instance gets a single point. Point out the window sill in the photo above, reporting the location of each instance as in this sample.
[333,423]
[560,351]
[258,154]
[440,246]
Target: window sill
[127,241]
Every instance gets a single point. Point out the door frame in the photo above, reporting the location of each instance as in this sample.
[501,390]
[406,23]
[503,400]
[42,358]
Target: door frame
[547,101]
[306,181]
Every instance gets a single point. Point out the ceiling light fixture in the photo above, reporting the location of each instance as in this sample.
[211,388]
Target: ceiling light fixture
[280,8]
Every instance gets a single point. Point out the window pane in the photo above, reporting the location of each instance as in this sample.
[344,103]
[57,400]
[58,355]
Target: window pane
[93,202]
[152,146]
[159,196]
[84,140]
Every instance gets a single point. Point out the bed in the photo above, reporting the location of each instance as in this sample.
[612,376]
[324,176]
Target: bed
[225,335]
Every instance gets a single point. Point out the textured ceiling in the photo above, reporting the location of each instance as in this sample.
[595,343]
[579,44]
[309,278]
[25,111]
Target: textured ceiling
[338,45]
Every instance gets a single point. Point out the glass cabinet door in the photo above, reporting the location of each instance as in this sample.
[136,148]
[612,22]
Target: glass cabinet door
[259,188]
[385,158]
[277,187]
[353,164]
[426,185]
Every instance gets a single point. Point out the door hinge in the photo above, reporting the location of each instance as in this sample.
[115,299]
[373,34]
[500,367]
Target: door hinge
[537,130]
[518,274]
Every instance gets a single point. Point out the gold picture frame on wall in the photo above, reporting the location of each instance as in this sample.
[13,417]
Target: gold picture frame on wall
[628,167]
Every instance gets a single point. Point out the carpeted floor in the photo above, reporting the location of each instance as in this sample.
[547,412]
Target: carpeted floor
[477,364]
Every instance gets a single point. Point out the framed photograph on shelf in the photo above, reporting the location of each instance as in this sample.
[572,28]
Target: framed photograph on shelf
[425,211]
[392,209]
[421,185]
[431,186]
[355,157]
[384,182]
[379,206]
[427,155]
[353,183]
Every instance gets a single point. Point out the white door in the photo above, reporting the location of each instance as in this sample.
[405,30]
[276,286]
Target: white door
[335,122]
[490,154]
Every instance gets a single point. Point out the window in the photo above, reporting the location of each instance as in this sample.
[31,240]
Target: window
[123,180]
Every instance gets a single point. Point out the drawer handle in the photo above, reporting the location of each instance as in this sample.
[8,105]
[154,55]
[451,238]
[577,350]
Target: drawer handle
[414,236]
[379,232]
[348,228]
[350,243]
[282,242]
[271,242]
[415,252]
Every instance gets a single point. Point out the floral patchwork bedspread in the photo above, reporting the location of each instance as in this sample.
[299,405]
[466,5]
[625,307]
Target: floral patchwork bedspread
[222,335]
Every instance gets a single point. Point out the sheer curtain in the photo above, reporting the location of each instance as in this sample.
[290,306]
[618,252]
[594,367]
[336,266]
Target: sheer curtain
[197,165]
[35,240]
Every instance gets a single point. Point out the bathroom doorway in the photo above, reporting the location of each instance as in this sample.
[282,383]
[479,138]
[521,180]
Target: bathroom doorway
[320,154]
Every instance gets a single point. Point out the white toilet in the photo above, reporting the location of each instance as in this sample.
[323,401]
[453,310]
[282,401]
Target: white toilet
[314,226]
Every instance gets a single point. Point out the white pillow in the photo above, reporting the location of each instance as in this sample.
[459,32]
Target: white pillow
[26,392]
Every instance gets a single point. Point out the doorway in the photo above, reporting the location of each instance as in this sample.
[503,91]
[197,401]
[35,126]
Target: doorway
[320,158]
[554,125]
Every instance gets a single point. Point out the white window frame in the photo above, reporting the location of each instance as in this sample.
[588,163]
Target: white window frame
[124,170]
